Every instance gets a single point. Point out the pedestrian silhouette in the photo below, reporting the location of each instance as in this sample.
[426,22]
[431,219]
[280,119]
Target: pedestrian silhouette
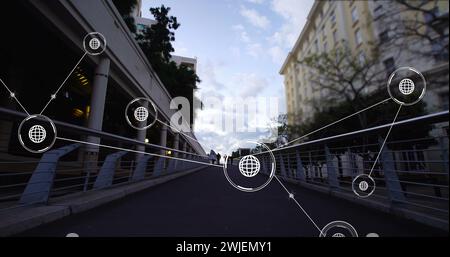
[218,158]
[212,156]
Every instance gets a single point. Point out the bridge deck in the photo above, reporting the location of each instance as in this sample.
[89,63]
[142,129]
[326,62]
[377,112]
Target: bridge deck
[205,204]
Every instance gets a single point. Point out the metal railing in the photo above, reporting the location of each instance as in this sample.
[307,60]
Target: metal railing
[412,172]
[27,179]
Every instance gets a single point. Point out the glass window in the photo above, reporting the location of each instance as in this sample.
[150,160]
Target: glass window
[333,18]
[362,58]
[358,37]
[355,15]
[389,65]
[384,37]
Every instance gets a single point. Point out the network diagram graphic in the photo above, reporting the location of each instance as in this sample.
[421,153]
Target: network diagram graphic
[37,134]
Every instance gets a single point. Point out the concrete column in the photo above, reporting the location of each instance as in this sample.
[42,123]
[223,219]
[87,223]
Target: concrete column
[97,108]
[176,144]
[141,135]
[184,149]
[163,139]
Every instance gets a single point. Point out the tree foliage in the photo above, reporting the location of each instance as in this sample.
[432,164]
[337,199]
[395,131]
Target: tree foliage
[125,8]
[342,76]
[156,43]
[419,21]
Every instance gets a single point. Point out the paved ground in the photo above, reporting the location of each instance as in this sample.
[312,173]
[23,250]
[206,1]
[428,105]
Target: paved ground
[205,204]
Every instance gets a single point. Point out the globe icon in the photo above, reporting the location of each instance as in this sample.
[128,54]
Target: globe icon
[141,114]
[37,134]
[363,186]
[406,86]
[338,235]
[249,166]
[94,44]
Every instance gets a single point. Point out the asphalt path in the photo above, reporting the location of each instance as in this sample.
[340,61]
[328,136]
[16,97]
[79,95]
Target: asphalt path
[205,204]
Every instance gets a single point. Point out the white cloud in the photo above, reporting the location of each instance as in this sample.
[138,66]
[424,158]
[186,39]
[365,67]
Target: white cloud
[250,83]
[255,50]
[295,14]
[277,54]
[256,19]
[256,1]
[242,33]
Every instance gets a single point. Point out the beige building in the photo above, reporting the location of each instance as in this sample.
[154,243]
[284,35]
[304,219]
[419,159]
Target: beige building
[358,25]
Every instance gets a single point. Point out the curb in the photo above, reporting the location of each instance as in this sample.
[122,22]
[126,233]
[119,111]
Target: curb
[20,219]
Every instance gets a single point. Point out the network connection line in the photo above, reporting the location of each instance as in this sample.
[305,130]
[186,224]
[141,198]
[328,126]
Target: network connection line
[177,130]
[335,122]
[13,95]
[291,196]
[53,96]
[385,140]
[136,151]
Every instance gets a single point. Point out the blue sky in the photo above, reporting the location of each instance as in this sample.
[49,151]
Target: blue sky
[240,46]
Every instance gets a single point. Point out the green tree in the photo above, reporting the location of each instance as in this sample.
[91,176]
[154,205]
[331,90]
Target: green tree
[342,76]
[125,8]
[156,43]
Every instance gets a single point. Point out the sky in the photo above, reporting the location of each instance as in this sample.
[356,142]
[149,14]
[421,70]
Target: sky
[240,46]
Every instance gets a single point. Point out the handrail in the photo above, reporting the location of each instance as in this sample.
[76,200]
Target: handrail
[91,132]
[434,117]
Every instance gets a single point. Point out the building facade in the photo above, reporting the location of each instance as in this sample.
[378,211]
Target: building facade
[362,27]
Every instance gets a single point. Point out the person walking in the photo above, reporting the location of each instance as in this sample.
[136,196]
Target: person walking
[212,156]
[218,158]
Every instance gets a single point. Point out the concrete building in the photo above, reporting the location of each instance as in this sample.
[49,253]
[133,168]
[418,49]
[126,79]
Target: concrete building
[357,25]
[110,80]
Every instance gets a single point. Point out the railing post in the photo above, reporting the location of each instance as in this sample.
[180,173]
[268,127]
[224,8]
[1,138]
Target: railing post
[106,175]
[390,176]
[41,182]
[141,166]
[331,170]
[263,165]
[282,168]
[159,167]
[172,166]
[289,170]
[300,174]
[444,156]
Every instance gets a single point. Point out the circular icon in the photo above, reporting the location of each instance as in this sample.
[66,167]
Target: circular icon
[94,43]
[372,235]
[141,114]
[249,166]
[338,229]
[406,86]
[72,235]
[363,185]
[37,133]
[138,112]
